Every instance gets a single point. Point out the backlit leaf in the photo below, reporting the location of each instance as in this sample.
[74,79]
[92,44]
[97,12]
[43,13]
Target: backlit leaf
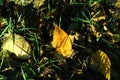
[104,63]
[18,45]
[61,42]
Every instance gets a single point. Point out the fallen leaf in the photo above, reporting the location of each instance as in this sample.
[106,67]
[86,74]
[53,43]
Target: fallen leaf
[103,63]
[61,41]
[18,45]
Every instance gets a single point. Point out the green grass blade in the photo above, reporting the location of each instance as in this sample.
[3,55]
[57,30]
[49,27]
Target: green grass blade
[23,74]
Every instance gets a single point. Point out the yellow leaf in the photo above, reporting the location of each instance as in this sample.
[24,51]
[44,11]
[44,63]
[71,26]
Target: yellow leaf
[104,63]
[18,45]
[61,42]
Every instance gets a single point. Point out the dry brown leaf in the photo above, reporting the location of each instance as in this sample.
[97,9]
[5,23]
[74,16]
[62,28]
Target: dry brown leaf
[95,32]
[116,4]
[3,22]
[103,63]
[18,45]
[61,42]
[98,19]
